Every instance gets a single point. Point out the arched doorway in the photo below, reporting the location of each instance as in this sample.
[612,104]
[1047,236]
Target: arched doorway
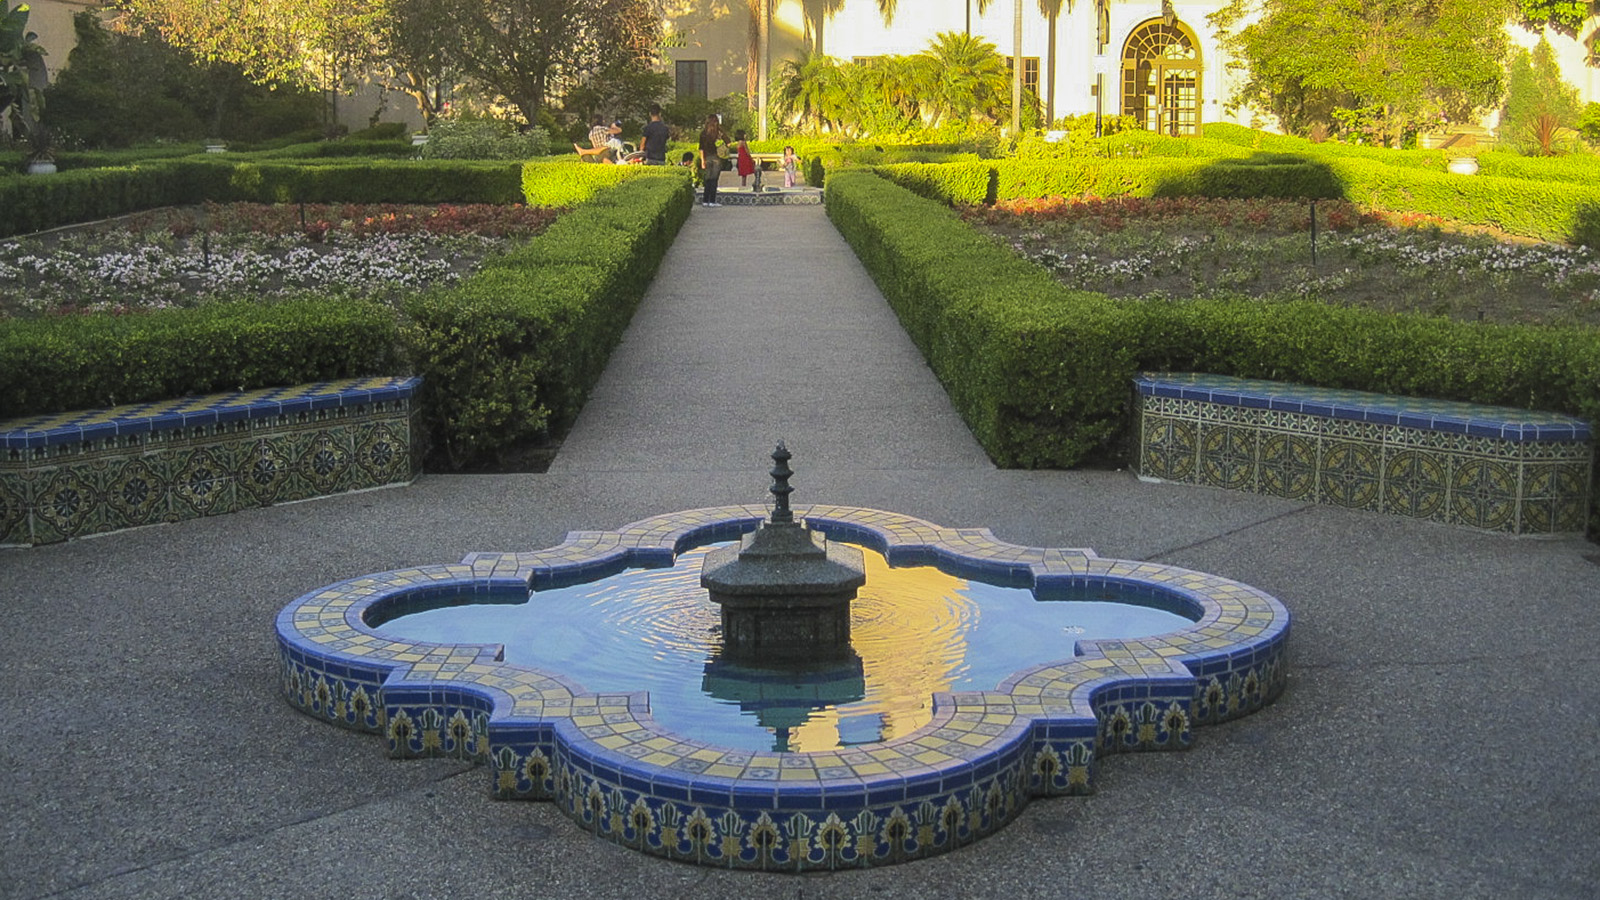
[1161,78]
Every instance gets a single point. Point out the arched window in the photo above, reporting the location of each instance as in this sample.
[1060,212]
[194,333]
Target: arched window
[1161,77]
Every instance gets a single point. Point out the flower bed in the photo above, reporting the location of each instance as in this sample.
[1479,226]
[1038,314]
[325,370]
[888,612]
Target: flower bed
[183,257]
[1196,247]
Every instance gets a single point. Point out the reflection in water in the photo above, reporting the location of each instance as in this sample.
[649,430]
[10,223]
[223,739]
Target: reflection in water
[914,631]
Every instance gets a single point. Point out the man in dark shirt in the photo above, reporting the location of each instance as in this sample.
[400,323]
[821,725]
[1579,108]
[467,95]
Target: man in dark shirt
[654,142]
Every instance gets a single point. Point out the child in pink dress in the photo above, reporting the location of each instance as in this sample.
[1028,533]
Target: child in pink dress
[745,162]
[791,166]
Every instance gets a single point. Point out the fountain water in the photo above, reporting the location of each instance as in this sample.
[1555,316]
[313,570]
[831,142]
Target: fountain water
[604,759]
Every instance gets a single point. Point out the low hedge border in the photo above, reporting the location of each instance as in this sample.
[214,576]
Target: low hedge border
[511,350]
[1547,210]
[89,362]
[516,348]
[31,203]
[1041,373]
[564,181]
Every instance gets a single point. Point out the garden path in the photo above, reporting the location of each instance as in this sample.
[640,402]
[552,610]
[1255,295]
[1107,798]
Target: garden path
[762,326]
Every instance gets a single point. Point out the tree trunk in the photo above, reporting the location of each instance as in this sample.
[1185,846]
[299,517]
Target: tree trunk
[1050,86]
[1016,72]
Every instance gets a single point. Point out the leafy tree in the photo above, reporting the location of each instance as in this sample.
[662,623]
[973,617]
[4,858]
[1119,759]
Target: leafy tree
[417,62]
[121,89]
[1540,107]
[1376,67]
[322,44]
[528,51]
[1565,16]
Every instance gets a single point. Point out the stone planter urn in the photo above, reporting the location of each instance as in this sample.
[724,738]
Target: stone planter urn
[216,147]
[1464,165]
[42,167]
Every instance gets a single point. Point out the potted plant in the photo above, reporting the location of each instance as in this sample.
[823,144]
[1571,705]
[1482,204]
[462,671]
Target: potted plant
[41,158]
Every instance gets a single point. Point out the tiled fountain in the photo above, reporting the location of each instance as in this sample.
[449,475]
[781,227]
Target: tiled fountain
[967,766]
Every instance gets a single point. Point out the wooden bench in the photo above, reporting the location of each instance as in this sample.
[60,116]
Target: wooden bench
[72,474]
[1487,467]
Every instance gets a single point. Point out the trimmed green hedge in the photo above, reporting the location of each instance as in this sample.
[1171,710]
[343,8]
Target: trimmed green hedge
[1042,374]
[1548,210]
[87,362]
[563,181]
[516,348]
[512,349]
[35,202]
[987,182]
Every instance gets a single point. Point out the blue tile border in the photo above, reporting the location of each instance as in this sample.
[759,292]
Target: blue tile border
[1455,417]
[606,763]
[1489,468]
[142,418]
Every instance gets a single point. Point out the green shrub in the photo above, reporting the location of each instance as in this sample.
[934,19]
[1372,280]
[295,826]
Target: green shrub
[86,362]
[974,183]
[483,139]
[1041,374]
[564,181]
[516,347]
[34,203]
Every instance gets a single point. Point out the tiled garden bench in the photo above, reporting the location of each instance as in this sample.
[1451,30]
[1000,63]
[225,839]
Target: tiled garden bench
[73,474]
[1487,467]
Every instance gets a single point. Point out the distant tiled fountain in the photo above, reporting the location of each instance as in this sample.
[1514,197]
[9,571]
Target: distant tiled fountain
[770,634]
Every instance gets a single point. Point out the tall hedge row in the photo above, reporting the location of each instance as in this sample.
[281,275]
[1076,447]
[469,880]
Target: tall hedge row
[1041,373]
[516,347]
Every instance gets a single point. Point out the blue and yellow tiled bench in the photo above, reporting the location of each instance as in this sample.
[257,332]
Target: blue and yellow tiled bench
[72,474]
[1488,467]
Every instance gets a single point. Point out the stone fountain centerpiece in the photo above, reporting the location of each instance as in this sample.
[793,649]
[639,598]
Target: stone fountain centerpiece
[784,591]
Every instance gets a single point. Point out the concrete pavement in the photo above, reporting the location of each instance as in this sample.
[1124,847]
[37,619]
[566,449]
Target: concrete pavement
[1437,738]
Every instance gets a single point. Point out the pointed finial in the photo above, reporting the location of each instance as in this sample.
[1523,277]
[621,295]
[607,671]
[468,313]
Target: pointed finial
[781,514]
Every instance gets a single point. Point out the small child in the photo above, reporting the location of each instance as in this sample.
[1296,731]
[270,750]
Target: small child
[791,166]
[745,162]
[688,162]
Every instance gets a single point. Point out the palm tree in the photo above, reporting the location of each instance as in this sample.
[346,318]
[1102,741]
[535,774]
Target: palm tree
[809,91]
[983,6]
[1016,72]
[961,76]
[1051,9]
[816,14]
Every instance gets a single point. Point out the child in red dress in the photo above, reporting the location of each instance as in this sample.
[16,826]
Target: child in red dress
[745,162]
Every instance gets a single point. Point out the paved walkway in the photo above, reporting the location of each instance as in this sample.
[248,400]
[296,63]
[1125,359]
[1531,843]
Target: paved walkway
[762,326]
[1437,738]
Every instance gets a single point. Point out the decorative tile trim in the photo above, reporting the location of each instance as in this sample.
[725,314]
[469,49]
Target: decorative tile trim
[1484,467]
[800,196]
[1449,416]
[607,765]
[79,473]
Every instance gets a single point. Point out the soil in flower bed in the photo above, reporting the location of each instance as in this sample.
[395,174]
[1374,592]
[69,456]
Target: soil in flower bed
[1194,247]
[185,256]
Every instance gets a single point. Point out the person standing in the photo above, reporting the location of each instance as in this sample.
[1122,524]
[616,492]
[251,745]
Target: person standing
[710,161]
[654,141]
[791,166]
[746,162]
